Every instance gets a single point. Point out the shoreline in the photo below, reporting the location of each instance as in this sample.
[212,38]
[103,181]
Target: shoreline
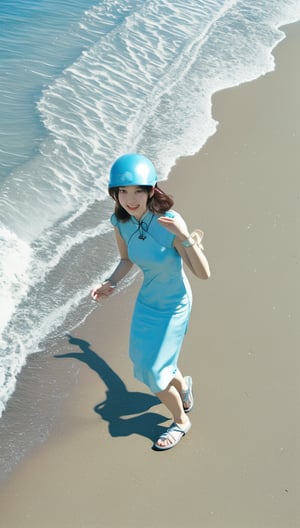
[239,461]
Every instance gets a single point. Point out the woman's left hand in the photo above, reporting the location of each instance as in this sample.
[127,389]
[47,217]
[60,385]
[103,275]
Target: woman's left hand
[175,225]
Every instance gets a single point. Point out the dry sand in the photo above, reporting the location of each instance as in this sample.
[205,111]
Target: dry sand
[239,465]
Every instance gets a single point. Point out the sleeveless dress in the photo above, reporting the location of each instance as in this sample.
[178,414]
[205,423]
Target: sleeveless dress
[163,304]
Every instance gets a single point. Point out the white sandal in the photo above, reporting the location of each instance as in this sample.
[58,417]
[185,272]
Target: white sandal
[174,435]
[187,396]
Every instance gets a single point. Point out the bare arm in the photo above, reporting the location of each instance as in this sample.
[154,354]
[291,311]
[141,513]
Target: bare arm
[192,253]
[193,257]
[124,266]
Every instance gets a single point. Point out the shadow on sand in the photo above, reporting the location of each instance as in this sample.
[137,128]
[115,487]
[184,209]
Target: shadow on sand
[119,401]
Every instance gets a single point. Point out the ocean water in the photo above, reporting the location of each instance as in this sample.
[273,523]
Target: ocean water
[80,84]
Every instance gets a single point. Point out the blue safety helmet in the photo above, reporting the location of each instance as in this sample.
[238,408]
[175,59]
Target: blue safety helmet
[132,169]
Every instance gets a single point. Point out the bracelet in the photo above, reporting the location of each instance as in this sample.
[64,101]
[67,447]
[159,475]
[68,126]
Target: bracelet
[111,283]
[187,243]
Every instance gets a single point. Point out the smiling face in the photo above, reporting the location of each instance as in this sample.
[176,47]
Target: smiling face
[134,200]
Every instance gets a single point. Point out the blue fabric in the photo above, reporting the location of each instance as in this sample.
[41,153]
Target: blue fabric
[163,305]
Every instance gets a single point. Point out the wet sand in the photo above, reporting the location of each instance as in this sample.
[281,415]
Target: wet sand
[239,465]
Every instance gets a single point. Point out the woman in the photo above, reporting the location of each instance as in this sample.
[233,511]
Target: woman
[156,238]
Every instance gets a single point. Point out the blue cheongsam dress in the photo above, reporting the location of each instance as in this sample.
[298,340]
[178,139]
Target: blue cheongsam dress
[163,304]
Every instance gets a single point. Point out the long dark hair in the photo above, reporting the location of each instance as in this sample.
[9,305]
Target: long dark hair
[159,203]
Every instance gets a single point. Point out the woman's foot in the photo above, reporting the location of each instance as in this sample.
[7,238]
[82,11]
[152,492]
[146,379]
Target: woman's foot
[172,436]
[187,395]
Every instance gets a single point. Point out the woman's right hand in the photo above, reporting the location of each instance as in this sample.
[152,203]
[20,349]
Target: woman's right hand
[102,290]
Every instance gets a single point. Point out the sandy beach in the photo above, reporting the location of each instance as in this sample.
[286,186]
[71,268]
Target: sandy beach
[239,465]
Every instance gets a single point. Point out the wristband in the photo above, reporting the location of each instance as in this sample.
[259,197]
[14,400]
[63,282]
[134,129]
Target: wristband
[187,243]
[111,283]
